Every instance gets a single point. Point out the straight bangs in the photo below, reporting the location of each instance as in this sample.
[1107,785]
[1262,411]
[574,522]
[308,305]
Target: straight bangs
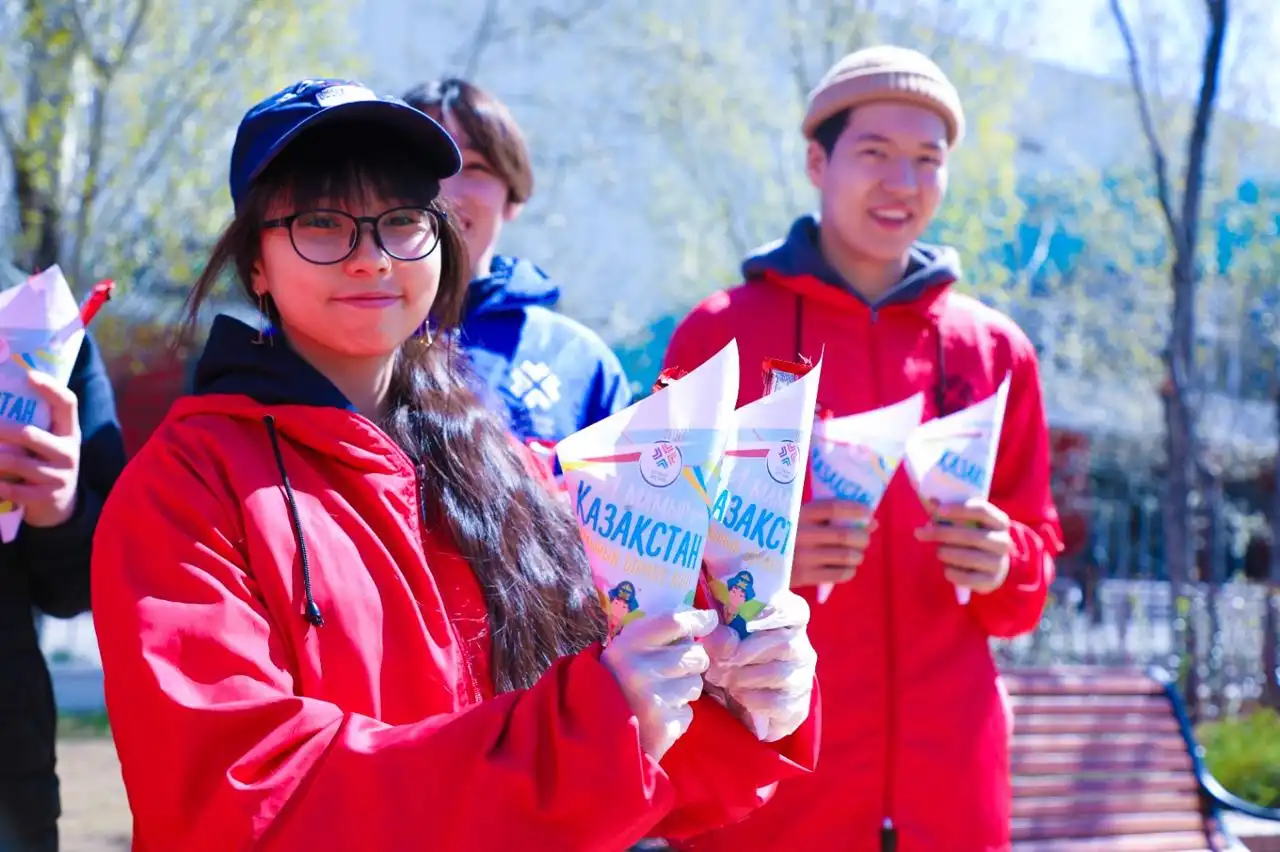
[344,166]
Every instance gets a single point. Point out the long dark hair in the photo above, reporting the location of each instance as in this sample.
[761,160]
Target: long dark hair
[520,541]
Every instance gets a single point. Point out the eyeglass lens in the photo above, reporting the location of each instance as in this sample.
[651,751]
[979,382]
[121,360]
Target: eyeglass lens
[328,236]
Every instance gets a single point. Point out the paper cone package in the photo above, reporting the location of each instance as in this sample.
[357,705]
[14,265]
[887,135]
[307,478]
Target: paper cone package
[640,486]
[40,329]
[952,459]
[855,457]
[758,496]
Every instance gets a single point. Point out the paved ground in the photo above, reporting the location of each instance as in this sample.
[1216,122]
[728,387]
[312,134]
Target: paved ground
[95,814]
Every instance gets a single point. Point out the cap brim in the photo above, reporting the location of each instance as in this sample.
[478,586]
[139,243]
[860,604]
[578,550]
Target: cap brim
[437,146]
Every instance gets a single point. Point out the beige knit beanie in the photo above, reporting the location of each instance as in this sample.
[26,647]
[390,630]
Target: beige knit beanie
[885,73]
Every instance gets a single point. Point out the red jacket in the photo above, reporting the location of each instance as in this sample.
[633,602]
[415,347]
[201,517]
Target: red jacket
[240,725]
[915,721]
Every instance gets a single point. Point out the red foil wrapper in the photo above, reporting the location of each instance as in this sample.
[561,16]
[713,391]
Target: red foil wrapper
[98,296]
[666,377]
[778,373]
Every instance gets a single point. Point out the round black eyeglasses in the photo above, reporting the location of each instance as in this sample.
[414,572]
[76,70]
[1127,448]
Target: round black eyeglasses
[330,236]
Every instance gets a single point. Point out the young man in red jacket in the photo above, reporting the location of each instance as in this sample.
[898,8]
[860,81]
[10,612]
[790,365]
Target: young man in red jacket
[915,745]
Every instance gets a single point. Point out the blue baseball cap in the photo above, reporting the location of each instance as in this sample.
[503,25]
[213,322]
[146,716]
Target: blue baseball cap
[268,128]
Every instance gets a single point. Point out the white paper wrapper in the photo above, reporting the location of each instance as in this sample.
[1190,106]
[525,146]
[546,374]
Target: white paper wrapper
[855,457]
[640,487]
[40,329]
[951,459]
[758,495]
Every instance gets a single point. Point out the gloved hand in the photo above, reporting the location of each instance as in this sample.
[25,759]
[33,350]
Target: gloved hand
[767,678]
[659,666]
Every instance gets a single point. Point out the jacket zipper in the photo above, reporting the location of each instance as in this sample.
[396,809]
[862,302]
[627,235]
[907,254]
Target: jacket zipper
[888,831]
[469,674]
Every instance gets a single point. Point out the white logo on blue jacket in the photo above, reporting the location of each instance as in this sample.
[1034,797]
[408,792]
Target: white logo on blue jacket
[535,385]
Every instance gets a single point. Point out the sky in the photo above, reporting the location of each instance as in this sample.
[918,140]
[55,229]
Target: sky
[1083,39]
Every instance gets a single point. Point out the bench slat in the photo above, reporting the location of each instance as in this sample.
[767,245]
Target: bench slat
[1093,724]
[1103,761]
[1078,669]
[1188,841]
[1082,684]
[1117,783]
[1080,744]
[1107,825]
[1099,763]
[1062,705]
[1035,807]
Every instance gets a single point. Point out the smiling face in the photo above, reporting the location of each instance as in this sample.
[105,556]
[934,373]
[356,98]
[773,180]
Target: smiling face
[737,597]
[348,315]
[362,307]
[497,175]
[883,180]
[479,198]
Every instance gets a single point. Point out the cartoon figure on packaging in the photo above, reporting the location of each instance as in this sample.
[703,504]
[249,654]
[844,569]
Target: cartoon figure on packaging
[738,603]
[623,607]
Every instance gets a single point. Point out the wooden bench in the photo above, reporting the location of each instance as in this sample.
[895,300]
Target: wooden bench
[1105,758]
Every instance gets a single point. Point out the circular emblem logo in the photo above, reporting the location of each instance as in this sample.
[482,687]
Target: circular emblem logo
[783,462]
[661,463]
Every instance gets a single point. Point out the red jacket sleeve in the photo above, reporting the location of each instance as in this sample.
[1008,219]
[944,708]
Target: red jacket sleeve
[722,772]
[220,749]
[1020,487]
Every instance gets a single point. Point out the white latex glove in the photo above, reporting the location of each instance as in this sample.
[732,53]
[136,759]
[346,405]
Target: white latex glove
[767,678]
[659,666]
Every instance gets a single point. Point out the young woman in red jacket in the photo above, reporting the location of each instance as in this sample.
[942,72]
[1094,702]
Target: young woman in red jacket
[335,608]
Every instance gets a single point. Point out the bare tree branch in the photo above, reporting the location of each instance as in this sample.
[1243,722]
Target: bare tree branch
[6,135]
[107,69]
[131,34]
[166,135]
[164,132]
[1159,161]
[163,98]
[489,34]
[104,64]
[1039,253]
[482,39]
[828,35]
[1197,141]
[795,42]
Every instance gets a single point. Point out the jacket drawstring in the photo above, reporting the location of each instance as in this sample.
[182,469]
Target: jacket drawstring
[313,614]
[939,382]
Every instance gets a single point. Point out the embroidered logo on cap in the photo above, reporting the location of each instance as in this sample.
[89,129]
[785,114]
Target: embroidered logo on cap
[345,94]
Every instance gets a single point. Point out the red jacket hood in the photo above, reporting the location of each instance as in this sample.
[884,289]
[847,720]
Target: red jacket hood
[239,377]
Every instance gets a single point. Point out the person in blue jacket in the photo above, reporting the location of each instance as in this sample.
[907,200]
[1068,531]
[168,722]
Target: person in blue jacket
[553,374]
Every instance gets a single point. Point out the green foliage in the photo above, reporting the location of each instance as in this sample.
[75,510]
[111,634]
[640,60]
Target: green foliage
[83,726]
[1244,754]
[118,117]
[728,106]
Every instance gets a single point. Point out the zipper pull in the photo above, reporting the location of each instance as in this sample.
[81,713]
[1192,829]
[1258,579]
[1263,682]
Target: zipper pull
[888,836]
